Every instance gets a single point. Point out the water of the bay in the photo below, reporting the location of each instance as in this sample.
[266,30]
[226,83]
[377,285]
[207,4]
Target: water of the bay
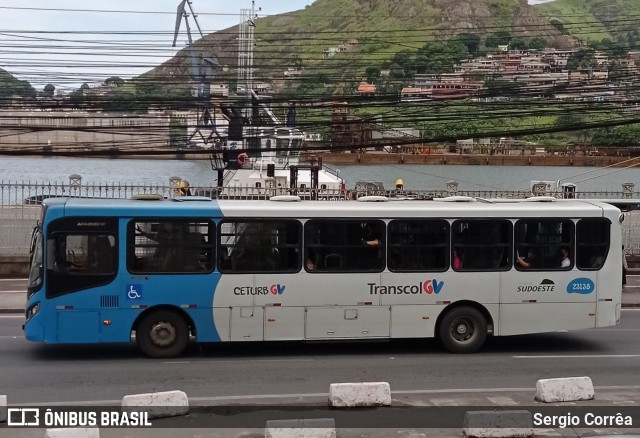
[415,176]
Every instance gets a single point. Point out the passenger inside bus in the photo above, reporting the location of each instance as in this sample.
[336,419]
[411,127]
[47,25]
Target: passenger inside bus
[526,262]
[457,259]
[566,261]
[371,237]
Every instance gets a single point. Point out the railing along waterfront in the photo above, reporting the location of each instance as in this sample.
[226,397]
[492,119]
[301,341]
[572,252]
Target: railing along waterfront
[20,201]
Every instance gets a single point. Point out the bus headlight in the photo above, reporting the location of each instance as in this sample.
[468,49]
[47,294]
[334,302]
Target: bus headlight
[33,310]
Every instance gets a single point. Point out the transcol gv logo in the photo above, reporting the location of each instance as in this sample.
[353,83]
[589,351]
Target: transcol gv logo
[275,289]
[429,287]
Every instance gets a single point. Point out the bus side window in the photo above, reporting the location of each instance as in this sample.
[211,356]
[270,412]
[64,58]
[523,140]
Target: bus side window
[543,239]
[483,245]
[592,243]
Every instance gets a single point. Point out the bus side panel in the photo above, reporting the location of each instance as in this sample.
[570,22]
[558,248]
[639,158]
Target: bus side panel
[69,323]
[414,321]
[609,290]
[543,301]
[518,319]
[416,299]
[284,323]
[347,322]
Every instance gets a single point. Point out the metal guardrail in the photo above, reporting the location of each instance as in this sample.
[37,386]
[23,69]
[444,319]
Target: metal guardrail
[20,202]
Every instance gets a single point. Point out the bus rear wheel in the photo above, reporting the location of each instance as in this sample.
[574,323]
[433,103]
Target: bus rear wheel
[463,330]
[162,334]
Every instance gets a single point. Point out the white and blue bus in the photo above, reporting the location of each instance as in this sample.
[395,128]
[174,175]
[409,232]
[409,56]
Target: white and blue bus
[164,272]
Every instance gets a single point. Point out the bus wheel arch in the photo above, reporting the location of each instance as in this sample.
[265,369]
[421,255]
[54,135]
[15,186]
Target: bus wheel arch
[463,327]
[163,331]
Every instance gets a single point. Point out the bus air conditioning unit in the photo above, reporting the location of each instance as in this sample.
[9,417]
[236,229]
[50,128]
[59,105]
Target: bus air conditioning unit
[543,188]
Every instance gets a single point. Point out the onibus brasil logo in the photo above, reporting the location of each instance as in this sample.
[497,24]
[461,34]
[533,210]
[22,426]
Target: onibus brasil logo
[429,287]
[275,289]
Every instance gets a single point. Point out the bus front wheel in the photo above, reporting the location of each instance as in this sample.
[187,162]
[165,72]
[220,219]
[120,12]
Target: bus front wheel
[463,330]
[162,334]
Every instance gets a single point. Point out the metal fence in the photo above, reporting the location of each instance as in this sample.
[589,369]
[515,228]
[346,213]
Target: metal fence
[20,202]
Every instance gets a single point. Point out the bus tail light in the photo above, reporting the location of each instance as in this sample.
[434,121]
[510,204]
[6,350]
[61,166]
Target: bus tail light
[106,322]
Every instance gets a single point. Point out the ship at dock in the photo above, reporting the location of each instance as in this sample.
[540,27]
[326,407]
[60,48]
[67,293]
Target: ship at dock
[249,158]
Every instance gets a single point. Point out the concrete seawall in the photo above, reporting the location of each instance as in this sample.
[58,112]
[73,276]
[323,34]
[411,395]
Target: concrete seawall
[14,266]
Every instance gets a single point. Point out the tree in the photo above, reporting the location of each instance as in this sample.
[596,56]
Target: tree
[373,74]
[49,90]
[84,86]
[558,25]
[518,44]
[438,58]
[613,49]
[538,43]
[618,136]
[618,72]
[500,38]
[583,58]
[471,42]
[114,80]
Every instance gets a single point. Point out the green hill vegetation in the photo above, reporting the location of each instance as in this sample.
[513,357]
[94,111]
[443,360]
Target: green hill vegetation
[337,40]
[10,86]
[593,20]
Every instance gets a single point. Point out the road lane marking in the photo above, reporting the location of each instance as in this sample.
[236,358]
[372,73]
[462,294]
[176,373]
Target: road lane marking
[21,291]
[621,330]
[307,395]
[12,316]
[237,360]
[580,356]
[14,279]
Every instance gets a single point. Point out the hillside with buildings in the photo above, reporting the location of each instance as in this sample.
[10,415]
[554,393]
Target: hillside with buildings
[346,35]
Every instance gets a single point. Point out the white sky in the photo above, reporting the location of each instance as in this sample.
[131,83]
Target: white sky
[95,50]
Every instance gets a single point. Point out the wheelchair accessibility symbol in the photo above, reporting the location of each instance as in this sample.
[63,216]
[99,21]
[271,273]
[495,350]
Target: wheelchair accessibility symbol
[134,291]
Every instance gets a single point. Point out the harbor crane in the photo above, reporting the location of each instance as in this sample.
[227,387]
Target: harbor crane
[201,73]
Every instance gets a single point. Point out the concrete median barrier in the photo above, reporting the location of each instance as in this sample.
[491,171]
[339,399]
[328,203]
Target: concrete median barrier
[157,404]
[72,433]
[567,389]
[301,428]
[345,395]
[3,408]
[498,424]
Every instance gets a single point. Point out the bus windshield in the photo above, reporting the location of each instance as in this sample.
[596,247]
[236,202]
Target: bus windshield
[36,271]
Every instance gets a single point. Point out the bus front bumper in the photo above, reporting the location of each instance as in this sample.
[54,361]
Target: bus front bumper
[33,331]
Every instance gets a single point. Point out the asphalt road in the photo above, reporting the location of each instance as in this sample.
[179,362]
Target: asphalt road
[35,373]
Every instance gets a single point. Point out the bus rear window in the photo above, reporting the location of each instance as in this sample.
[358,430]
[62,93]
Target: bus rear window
[592,243]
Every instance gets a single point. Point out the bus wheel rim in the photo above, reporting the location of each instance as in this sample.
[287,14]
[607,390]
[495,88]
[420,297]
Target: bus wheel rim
[463,329]
[163,334]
